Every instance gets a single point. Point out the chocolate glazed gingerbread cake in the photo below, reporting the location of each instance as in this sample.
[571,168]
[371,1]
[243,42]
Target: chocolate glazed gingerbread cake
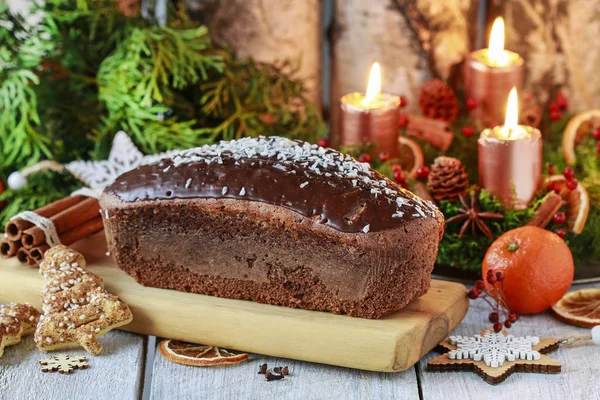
[275,221]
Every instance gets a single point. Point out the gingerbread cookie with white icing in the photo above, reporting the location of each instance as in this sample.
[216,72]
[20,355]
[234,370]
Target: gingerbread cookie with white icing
[78,309]
[16,321]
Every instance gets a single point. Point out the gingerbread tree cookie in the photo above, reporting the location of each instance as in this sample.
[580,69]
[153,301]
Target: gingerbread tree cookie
[16,320]
[77,308]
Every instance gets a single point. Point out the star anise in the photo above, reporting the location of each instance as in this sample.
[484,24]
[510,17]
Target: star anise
[471,216]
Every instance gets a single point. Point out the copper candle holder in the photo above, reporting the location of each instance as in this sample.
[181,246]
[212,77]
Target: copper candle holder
[376,123]
[489,85]
[511,169]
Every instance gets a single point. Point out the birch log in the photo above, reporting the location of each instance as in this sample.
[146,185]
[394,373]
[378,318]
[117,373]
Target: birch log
[268,31]
[558,40]
[413,40]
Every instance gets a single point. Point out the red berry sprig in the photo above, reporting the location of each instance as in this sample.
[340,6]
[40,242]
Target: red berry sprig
[596,134]
[559,218]
[557,106]
[403,120]
[568,173]
[323,142]
[468,131]
[384,156]
[399,176]
[423,173]
[364,158]
[403,101]
[471,104]
[493,294]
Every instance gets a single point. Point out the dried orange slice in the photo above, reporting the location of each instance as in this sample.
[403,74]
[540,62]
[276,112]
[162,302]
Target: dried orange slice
[577,128]
[578,202]
[410,156]
[198,355]
[581,308]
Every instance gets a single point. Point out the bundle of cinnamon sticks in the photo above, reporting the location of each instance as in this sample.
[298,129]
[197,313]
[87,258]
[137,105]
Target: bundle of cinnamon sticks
[74,217]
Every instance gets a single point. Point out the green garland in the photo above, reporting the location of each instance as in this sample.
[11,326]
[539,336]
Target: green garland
[86,71]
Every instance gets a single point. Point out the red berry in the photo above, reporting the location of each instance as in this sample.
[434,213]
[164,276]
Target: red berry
[479,285]
[399,176]
[572,184]
[403,120]
[555,115]
[468,131]
[471,104]
[422,172]
[553,107]
[473,294]
[568,173]
[552,186]
[491,279]
[562,101]
[561,232]
[499,276]
[396,167]
[384,156]
[527,96]
[404,185]
[596,133]
[491,272]
[323,142]
[403,101]
[498,327]
[364,158]
[493,317]
[551,169]
[559,218]
[513,317]
[507,323]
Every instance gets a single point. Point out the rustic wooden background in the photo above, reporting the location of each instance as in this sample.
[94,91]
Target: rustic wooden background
[336,41]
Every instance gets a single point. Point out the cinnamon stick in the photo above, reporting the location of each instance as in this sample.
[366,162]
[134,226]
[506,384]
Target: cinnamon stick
[82,231]
[436,132]
[63,221]
[24,257]
[79,232]
[37,253]
[550,206]
[14,228]
[9,248]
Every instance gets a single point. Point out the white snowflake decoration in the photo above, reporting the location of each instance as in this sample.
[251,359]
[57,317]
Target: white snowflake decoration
[124,156]
[494,348]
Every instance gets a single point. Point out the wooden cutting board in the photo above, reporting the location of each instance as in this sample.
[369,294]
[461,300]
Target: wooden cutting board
[391,344]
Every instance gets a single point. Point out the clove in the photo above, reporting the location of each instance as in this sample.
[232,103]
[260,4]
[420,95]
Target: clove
[281,370]
[273,377]
[262,370]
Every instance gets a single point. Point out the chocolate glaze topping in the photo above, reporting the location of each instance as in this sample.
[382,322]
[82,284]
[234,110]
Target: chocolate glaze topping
[313,181]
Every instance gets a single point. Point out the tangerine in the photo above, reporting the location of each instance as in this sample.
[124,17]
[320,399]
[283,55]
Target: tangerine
[537,265]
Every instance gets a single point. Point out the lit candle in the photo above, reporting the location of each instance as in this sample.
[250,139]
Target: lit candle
[510,159]
[490,74]
[370,117]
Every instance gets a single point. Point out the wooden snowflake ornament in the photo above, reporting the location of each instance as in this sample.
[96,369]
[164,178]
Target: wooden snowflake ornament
[63,363]
[495,356]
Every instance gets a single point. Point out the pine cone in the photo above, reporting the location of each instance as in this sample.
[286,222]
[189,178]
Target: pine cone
[437,101]
[448,178]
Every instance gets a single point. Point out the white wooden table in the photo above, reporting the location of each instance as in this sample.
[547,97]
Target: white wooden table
[131,368]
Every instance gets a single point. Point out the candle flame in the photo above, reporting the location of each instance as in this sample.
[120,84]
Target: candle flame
[512,110]
[511,130]
[496,53]
[374,86]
